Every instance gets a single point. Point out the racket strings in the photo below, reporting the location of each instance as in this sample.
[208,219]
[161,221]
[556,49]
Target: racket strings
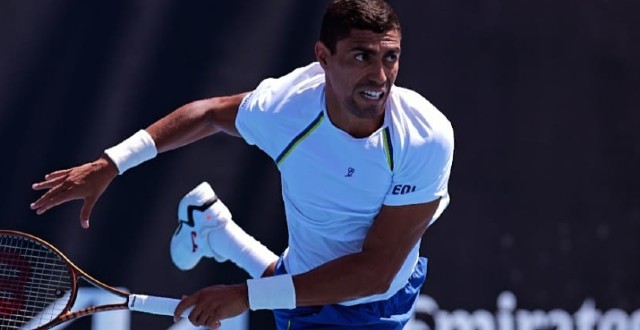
[35,283]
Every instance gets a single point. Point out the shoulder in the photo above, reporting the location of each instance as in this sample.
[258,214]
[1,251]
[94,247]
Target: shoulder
[280,107]
[416,119]
[422,148]
[287,100]
[271,91]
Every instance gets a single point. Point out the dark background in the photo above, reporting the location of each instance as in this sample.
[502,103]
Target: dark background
[543,96]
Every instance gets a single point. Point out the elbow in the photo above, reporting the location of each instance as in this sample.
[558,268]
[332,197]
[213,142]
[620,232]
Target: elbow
[219,113]
[379,275]
[381,283]
[205,109]
[208,114]
[379,289]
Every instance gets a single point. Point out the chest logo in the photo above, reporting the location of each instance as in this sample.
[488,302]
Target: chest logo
[350,172]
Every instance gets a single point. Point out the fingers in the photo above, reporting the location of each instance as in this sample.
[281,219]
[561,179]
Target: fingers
[199,315]
[214,325]
[196,316]
[185,303]
[51,181]
[56,174]
[85,212]
[51,198]
[203,317]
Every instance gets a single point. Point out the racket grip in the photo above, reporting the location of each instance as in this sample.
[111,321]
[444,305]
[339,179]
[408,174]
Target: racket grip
[155,305]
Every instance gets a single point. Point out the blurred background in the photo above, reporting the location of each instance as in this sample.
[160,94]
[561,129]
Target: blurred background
[543,97]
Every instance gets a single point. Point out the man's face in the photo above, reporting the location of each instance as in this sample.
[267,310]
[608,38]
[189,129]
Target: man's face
[360,73]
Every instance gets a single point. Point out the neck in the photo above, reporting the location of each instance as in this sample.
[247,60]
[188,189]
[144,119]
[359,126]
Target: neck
[343,119]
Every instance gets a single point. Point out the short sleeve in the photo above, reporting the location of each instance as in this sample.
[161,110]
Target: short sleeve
[424,168]
[251,113]
[263,112]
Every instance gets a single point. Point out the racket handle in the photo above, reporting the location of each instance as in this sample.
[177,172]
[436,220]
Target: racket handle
[155,305]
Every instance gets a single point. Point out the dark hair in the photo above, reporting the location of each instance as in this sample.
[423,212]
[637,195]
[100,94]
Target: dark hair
[342,16]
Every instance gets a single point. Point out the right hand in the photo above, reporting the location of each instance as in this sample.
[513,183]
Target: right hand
[86,182]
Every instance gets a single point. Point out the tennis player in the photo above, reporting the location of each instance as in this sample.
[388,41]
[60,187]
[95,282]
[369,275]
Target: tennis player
[364,165]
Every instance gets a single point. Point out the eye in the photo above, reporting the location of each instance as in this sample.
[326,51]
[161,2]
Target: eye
[361,57]
[393,57]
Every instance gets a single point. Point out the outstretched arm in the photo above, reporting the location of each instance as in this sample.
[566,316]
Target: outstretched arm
[394,233]
[183,126]
[195,121]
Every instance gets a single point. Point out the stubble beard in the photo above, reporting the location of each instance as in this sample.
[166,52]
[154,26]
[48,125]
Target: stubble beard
[367,111]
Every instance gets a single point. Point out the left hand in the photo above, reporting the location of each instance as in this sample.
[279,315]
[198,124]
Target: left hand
[213,304]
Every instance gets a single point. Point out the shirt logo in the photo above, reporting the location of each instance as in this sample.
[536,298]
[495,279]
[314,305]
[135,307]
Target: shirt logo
[350,171]
[401,189]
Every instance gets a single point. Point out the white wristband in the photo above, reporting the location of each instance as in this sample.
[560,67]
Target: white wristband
[275,292]
[133,151]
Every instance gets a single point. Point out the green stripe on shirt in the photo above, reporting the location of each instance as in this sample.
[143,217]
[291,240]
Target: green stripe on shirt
[388,148]
[303,135]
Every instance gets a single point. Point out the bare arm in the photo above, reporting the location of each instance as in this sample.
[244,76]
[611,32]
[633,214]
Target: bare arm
[195,121]
[393,234]
[183,126]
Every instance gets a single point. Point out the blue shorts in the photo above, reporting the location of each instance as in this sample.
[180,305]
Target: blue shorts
[392,313]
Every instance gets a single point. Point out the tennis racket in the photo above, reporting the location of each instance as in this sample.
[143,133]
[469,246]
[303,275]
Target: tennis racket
[39,285]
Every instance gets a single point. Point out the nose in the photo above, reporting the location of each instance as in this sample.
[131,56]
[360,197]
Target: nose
[377,73]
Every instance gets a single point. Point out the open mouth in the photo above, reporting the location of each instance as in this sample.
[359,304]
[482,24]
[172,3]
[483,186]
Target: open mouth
[372,95]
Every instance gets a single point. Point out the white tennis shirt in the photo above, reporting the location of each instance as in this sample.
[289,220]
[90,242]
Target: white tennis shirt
[333,184]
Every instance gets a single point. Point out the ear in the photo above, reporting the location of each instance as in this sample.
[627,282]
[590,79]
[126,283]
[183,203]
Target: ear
[322,53]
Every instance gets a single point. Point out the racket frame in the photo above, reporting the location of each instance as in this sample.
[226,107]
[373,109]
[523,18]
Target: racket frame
[76,273]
